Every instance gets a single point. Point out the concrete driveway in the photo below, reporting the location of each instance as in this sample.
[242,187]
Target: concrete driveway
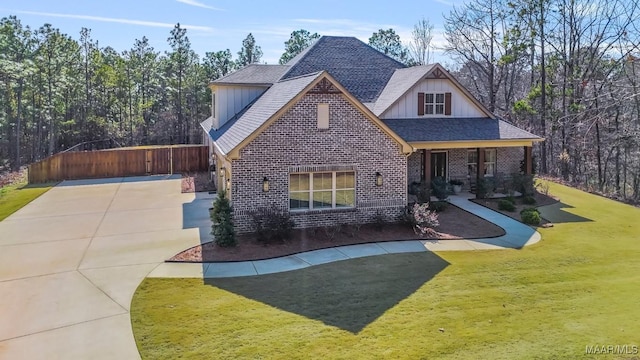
[71,260]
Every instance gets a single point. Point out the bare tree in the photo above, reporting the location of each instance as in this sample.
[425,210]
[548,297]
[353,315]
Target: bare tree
[420,46]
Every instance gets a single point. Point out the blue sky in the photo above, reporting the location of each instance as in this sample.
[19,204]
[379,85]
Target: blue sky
[220,24]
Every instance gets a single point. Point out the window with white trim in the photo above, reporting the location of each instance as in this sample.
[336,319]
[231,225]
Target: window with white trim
[472,163]
[322,190]
[434,103]
[489,162]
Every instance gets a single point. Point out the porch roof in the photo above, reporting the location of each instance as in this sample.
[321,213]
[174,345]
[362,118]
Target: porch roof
[458,130]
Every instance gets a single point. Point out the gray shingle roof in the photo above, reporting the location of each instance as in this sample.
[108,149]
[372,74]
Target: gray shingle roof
[361,69]
[401,81]
[256,74]
[233,132]
[456,129]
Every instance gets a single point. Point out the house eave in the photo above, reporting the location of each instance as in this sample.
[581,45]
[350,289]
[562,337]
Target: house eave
[461,144]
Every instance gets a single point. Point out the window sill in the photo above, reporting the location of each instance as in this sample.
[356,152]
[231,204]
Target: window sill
[322,211]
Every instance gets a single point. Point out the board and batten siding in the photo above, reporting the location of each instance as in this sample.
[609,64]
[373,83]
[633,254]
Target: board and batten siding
[407,105]
[231,99]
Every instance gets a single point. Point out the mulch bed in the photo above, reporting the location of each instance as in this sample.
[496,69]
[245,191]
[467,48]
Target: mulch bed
[455,223]
[541,200]
[197,182]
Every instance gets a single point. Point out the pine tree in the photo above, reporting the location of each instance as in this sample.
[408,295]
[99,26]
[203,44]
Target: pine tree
[222,229]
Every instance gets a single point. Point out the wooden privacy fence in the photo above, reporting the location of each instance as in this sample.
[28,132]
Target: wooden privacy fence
[120,162]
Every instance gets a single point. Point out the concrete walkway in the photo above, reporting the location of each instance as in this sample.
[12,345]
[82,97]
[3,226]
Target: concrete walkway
[71,260]
[517,236]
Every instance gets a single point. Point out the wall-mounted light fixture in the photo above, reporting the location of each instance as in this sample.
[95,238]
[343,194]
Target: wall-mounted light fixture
[228,188]
[378,179]
[222,171]
[265,184]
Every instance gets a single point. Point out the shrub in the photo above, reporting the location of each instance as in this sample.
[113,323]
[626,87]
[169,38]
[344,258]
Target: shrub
[440,188]
[425,220]
[506,205]
[530,216]
[438,206]
[331,231]
[221,216]
[542,187]
[271,224]
[528,200]
[456,182]
[423,193]
[379,220]
[484,188]
[524,184]
[510,199]
[414,187]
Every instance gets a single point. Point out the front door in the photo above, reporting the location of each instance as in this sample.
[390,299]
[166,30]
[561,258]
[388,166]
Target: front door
[439,164]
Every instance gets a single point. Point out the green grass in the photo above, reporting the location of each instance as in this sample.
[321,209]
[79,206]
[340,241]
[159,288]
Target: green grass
[14,197]
[578,287]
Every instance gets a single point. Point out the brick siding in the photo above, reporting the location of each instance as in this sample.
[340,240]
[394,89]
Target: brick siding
[293,143]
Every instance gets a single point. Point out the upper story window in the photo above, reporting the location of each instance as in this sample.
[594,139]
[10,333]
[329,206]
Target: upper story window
[434,103]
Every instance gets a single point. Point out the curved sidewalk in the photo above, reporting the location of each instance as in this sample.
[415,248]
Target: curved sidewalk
[517,235]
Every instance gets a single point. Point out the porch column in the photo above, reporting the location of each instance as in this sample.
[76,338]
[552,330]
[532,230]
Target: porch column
[528,160]
[427,166]
[480,165]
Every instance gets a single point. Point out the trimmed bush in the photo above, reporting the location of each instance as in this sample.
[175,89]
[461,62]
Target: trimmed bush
[510,199]
[528,200]
[271,224]
[484,188]
[438,206]
[524,184]
[506,205]
[423,193]
[530,216]
[222,229]
[440,188]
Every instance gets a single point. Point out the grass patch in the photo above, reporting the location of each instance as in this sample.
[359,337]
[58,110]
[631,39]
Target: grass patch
[14,197]
[578,287]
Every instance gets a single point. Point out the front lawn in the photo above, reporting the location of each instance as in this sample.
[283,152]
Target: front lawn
[578,287]
[14,197]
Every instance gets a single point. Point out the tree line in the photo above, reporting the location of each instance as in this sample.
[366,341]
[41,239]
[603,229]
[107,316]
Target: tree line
[58,92]
[567,70]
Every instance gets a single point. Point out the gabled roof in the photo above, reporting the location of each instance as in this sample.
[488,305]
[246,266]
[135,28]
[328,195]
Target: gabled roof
[457,129]
[253,74]
[401,81]
[256,117]
[405,79]
[234,132]
[361,69]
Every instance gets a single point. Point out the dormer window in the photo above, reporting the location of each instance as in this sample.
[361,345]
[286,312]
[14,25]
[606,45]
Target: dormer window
[434,104]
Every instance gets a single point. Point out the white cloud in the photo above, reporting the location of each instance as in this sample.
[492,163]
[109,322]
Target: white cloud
[198,4]
[117,20]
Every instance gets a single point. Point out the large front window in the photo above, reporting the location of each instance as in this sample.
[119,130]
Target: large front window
[434,103]
[322,190]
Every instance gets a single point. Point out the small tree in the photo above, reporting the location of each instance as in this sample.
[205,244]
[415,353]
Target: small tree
[222,229]
[424,220]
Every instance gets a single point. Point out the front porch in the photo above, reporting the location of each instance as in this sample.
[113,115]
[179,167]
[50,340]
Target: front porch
[468,165]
